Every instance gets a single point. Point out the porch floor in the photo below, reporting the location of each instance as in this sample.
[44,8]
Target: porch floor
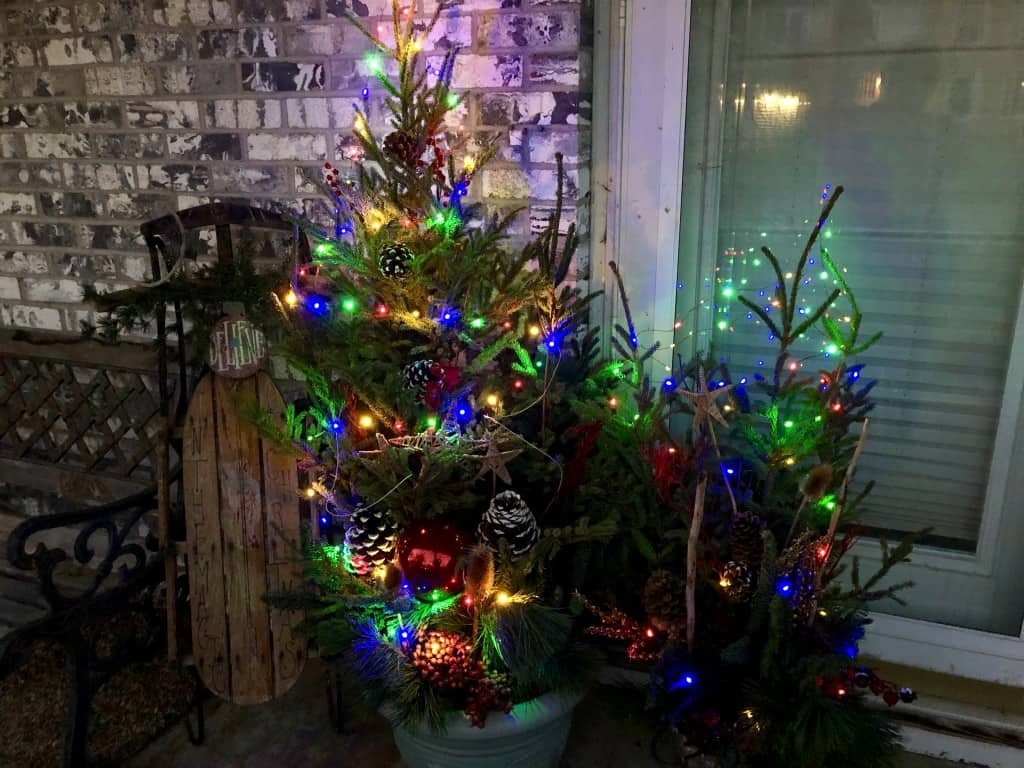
[295,731]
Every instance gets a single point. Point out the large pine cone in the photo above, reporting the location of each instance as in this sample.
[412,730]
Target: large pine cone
[419,373]
[510,519]
[664,601]
[370,539]
[403,146]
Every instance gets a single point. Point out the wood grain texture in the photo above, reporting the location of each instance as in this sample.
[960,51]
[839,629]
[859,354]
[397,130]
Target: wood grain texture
[280,481]
[210,641]
[252,508]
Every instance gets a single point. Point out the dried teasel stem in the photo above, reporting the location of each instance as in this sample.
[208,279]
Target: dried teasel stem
[691,560]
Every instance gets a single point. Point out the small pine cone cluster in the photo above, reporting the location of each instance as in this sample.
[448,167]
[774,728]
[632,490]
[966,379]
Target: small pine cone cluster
[403,146]
[664,601]
[445,660]
[488,695]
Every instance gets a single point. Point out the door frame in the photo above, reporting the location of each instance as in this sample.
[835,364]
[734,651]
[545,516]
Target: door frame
[640,79]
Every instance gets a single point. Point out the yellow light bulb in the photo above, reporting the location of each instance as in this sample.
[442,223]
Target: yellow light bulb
[492,400]
[366,421]
[613,402]
[535,330]
[790,461]
[503,598]
[375,219]
[469,164]
[416,46]
[416,313]
[359,125]
[291,299]
[310,493]
[381,572]
[725,582]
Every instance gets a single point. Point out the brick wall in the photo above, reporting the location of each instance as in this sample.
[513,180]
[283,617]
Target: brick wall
[116,111]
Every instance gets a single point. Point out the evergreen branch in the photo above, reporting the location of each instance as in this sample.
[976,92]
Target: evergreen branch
[757,310]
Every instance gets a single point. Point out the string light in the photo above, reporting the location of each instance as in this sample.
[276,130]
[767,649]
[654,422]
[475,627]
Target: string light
[452,100]
[613,402]
[469,164]
[336,425]
[366,421]
[518,384]
[492,400]
[291,299]
[503,598]
[310,493]
[416,46]
[477,322]
[348,304]
[535,330]
[416,313]
[374,63]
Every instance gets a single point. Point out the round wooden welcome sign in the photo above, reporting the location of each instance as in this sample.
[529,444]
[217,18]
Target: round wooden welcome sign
[238,349]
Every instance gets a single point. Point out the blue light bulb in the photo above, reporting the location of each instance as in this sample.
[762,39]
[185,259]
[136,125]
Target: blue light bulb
[784,587]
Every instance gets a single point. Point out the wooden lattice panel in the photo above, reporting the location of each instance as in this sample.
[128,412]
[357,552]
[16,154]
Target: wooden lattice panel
[81,417]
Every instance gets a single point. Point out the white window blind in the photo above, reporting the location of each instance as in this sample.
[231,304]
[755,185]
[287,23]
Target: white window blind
[917,108]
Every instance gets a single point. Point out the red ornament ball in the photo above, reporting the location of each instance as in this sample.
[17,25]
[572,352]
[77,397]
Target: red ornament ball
[429,553]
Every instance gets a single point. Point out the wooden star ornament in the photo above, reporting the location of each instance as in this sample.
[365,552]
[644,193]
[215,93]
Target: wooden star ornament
[705,401]
[495,460]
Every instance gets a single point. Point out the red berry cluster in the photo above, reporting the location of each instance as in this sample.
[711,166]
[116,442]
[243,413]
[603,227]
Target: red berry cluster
[488,696]
[445,660]
[842,685]
[332,177]
[440,158]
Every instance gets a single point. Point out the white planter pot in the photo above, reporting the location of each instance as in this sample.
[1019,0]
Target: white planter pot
[533,735]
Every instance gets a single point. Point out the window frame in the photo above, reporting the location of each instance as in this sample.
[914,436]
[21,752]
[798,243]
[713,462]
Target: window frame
[638,153]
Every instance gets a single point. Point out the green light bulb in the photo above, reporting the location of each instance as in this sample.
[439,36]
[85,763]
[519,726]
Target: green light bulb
[722,325]
[757,262]
[832,349]
[728,292]
[823,275]
[374,64]
[322,249]
[477,322]
[431,422]
[452,100]
[788,424]
[349,305]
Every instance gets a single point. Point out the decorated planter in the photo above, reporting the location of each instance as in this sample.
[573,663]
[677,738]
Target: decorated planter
[532,735]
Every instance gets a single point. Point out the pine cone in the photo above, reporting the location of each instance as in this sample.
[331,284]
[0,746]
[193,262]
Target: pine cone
[370,539]
[510,519]
[403,146]
[394,260]
[664,601]
[419,373]
[745,540]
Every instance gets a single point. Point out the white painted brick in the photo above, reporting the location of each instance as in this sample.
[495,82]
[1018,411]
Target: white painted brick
[120,81]
[472,71]
[295,146]
[68,51]
[42,318]
[51,290]
[23,263]
[9,288]
[245,113]
[506,183]
[320,113]
[16,202]
[136,267]
[63,145]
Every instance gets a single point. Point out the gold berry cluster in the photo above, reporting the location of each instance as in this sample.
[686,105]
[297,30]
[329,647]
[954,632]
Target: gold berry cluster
[445,660]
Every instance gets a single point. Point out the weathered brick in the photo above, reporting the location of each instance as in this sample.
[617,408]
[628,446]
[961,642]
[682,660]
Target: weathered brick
[536,30]
[181,177]
[75,319]
[162,114]
[205,146]
[56,145]
[16,202]
[106,176]
[248,113]
[142,47]
[86,265]
[320,113]
[199,79]
[66,204]
[50,290]
[92,113]
[130,80]
[544,143]
[30,174]
[26,316]
[250,43]
[24,263]
[175,13]
[277,10]
[36,20]
[45,234]
[555,69]
[506,183]
[137,267]
[9,288]
[541,107]
[295,146]
[282,76]
[52,82]
[29,116]
[110,237]
[16,54]
[451,31]
[12,145]
[471,71]
[68,51]
[429,6]
[260,178]
[318,39]
[335,9]
[124,146]
[135,205]
[103,15]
